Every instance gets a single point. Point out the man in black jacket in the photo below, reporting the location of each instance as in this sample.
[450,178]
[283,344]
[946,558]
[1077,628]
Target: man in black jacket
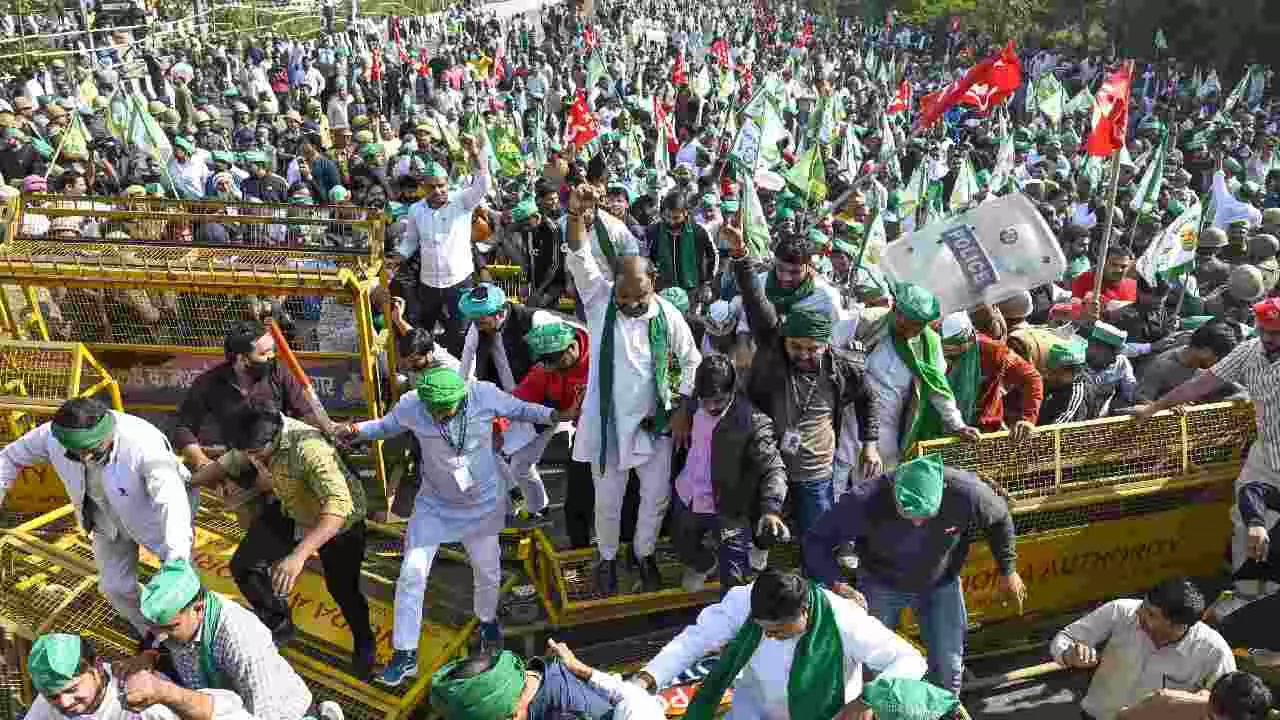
[806,390]
[495,350]
[682,251]
[733,481]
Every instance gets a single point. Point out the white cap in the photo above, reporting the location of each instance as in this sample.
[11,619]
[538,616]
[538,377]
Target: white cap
[957,324]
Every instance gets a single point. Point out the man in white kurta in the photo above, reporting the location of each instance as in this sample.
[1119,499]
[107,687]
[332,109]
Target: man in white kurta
[760,692]
[459,499]
[626,438]
[126,484]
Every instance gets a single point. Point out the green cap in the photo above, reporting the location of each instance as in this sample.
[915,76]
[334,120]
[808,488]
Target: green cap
[1067,354]
[171,589]
[370,150]
[819,238]
[435,170]
[783,213]
[677,297]
[491,695]
[524,210]
[185,144]
[54,662]
[482,300]
[917,486]
[916,303]
[441,388]
[550,338]
[801,323]
[1108,334]
[907,699]
[338,193]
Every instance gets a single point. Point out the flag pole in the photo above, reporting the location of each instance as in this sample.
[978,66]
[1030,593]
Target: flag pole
[1111,202]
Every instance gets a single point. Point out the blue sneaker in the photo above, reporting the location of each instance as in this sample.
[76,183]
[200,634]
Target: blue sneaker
[490,637]
[403,665]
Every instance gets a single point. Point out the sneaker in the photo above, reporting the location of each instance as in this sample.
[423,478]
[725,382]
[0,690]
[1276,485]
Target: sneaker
[606,577]
[694,581]
[650,578]
[490,637]
[403,665]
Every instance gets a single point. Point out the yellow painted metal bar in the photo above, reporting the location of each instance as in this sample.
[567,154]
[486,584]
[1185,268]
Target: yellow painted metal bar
[33,303]
[210,350]
[1057,460]
[86,584]
[340,681]
[1184,431]
[27,527]
[246,281]
[6,315]
[73,379]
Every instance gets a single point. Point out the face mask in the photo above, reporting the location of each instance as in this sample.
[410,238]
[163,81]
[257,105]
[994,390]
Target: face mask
[259,370]
[633,310]
[98,456]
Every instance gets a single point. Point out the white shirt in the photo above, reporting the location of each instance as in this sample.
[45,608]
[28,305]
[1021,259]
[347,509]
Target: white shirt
[624,243]
[226,706]
[891,382]
[444,235]
[634,395]
[1131,666]
[760,692]
[1227,208]
[192,174]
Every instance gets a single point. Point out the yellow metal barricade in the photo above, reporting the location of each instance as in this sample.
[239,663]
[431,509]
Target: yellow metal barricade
[152,286]
[512,280]
[35,379]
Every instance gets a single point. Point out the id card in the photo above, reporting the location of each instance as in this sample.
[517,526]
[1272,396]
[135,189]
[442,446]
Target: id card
[462,473]
[790,442]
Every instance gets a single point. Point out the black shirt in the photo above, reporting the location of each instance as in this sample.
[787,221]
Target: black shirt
[216,394]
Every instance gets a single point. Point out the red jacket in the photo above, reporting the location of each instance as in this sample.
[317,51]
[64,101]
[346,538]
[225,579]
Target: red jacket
[1003,369]
[563,388]
[1126,289]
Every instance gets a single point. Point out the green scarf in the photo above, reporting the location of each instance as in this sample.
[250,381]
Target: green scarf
[923,357]
[605,240]
[683,268]
[815,689]
[964,375]
[658,350]
[781,297]
[208,626]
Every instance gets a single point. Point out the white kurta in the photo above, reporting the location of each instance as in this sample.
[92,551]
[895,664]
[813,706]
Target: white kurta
[634,395]
[891,380]
[226,706]
[760,692]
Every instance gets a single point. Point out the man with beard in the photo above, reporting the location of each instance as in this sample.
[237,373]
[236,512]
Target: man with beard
[633,419]
[682,250]
[439,231]
[1252,365]
[536,220]
[793,283]
[1115,286]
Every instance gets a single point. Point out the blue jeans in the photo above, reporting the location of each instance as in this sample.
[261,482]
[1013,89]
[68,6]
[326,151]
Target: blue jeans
[809,500]
[733,545]
[943,624]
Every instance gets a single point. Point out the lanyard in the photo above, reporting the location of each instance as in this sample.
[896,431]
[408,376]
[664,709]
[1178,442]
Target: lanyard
[795,394]
[446,433]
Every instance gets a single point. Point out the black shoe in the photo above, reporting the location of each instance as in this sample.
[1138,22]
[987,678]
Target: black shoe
[284,632]
[650,578]
[362,661]
[606,577]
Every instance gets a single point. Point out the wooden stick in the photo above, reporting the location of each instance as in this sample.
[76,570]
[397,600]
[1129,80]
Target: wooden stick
[1111,202]
[1026,673]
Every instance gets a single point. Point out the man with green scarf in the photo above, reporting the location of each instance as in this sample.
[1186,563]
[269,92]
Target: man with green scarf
[682,249]
[215,643]
[72,681]
[632,417]
[908,374]
[792,283]
[911,532]
[128,489]
[459,500]
[789,648]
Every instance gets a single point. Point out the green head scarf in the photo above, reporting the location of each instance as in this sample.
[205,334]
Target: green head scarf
[54,662]
[85,438]
[482,300]
[819,238]
[441,388]
[916,303]
[524,210]
[905,699]
[171,589]
[435,170]
[491,695]
[917,486]
[1067,354]
[841,246]
[801,323]
[550,338]
[678,297]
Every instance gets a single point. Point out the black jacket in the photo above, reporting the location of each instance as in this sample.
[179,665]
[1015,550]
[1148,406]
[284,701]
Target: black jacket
[770,368]
[708,256]
[517,324]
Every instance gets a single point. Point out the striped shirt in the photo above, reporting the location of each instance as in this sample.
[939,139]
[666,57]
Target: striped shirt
[1248,367]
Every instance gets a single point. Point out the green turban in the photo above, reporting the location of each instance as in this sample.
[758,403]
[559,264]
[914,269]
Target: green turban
[54,662]
[338,194]
[171,589]
[917,486]
[916,303]
[435,170]
[440,388]
[819,238]
[905,699]
[729,206]
[185,144]
[482,300]
[801,323]
[491,695]
[842,246]
[550,338]
[85,438]
[1067,354]
[524,210]
[678,297]
[783,213]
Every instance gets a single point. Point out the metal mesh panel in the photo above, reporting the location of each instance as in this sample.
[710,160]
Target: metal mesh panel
[1039,521]
[32,587]
[352,707]
[42,373]
[10,688]
[627,653]
[92,616]
[213,516]
[580,581]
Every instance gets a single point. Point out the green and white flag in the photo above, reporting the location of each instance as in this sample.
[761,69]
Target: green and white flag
[728,84]
[661,159]
[595,70]
[853,150]
[1161,43]
[755,227]
[1006,161]
[808,176]
[869,62]
[1081,103]
[876,242]
[1174,251]
[965,192]
[1237,94]
[701,85]
[1148,191]
[888,142]
[1049,97]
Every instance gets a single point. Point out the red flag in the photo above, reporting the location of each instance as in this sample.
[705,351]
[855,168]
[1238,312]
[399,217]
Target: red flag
[927,102]
[951,94]
[589,37]
[678,75]
[955,23]
[902,101]
[582,127]
[1006,74]
[720,49]
[662,116]
[500,61]
[1111,113]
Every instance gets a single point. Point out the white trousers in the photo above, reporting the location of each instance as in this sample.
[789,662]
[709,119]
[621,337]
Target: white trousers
[117,562]
[486,567]
[655,496]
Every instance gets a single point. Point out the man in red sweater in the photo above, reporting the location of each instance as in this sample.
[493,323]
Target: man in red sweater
[558,379]
[1115,286]
[980,370]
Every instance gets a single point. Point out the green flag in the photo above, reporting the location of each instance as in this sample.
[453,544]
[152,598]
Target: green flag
[1161,43]
[1174,251]
[876,242]
[1081,103]
[808,176]
[595,70]
[506,148]
[1049,97]
[1006,161]
[1148,191]
[755,227]
[965,192]
[1237,93]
